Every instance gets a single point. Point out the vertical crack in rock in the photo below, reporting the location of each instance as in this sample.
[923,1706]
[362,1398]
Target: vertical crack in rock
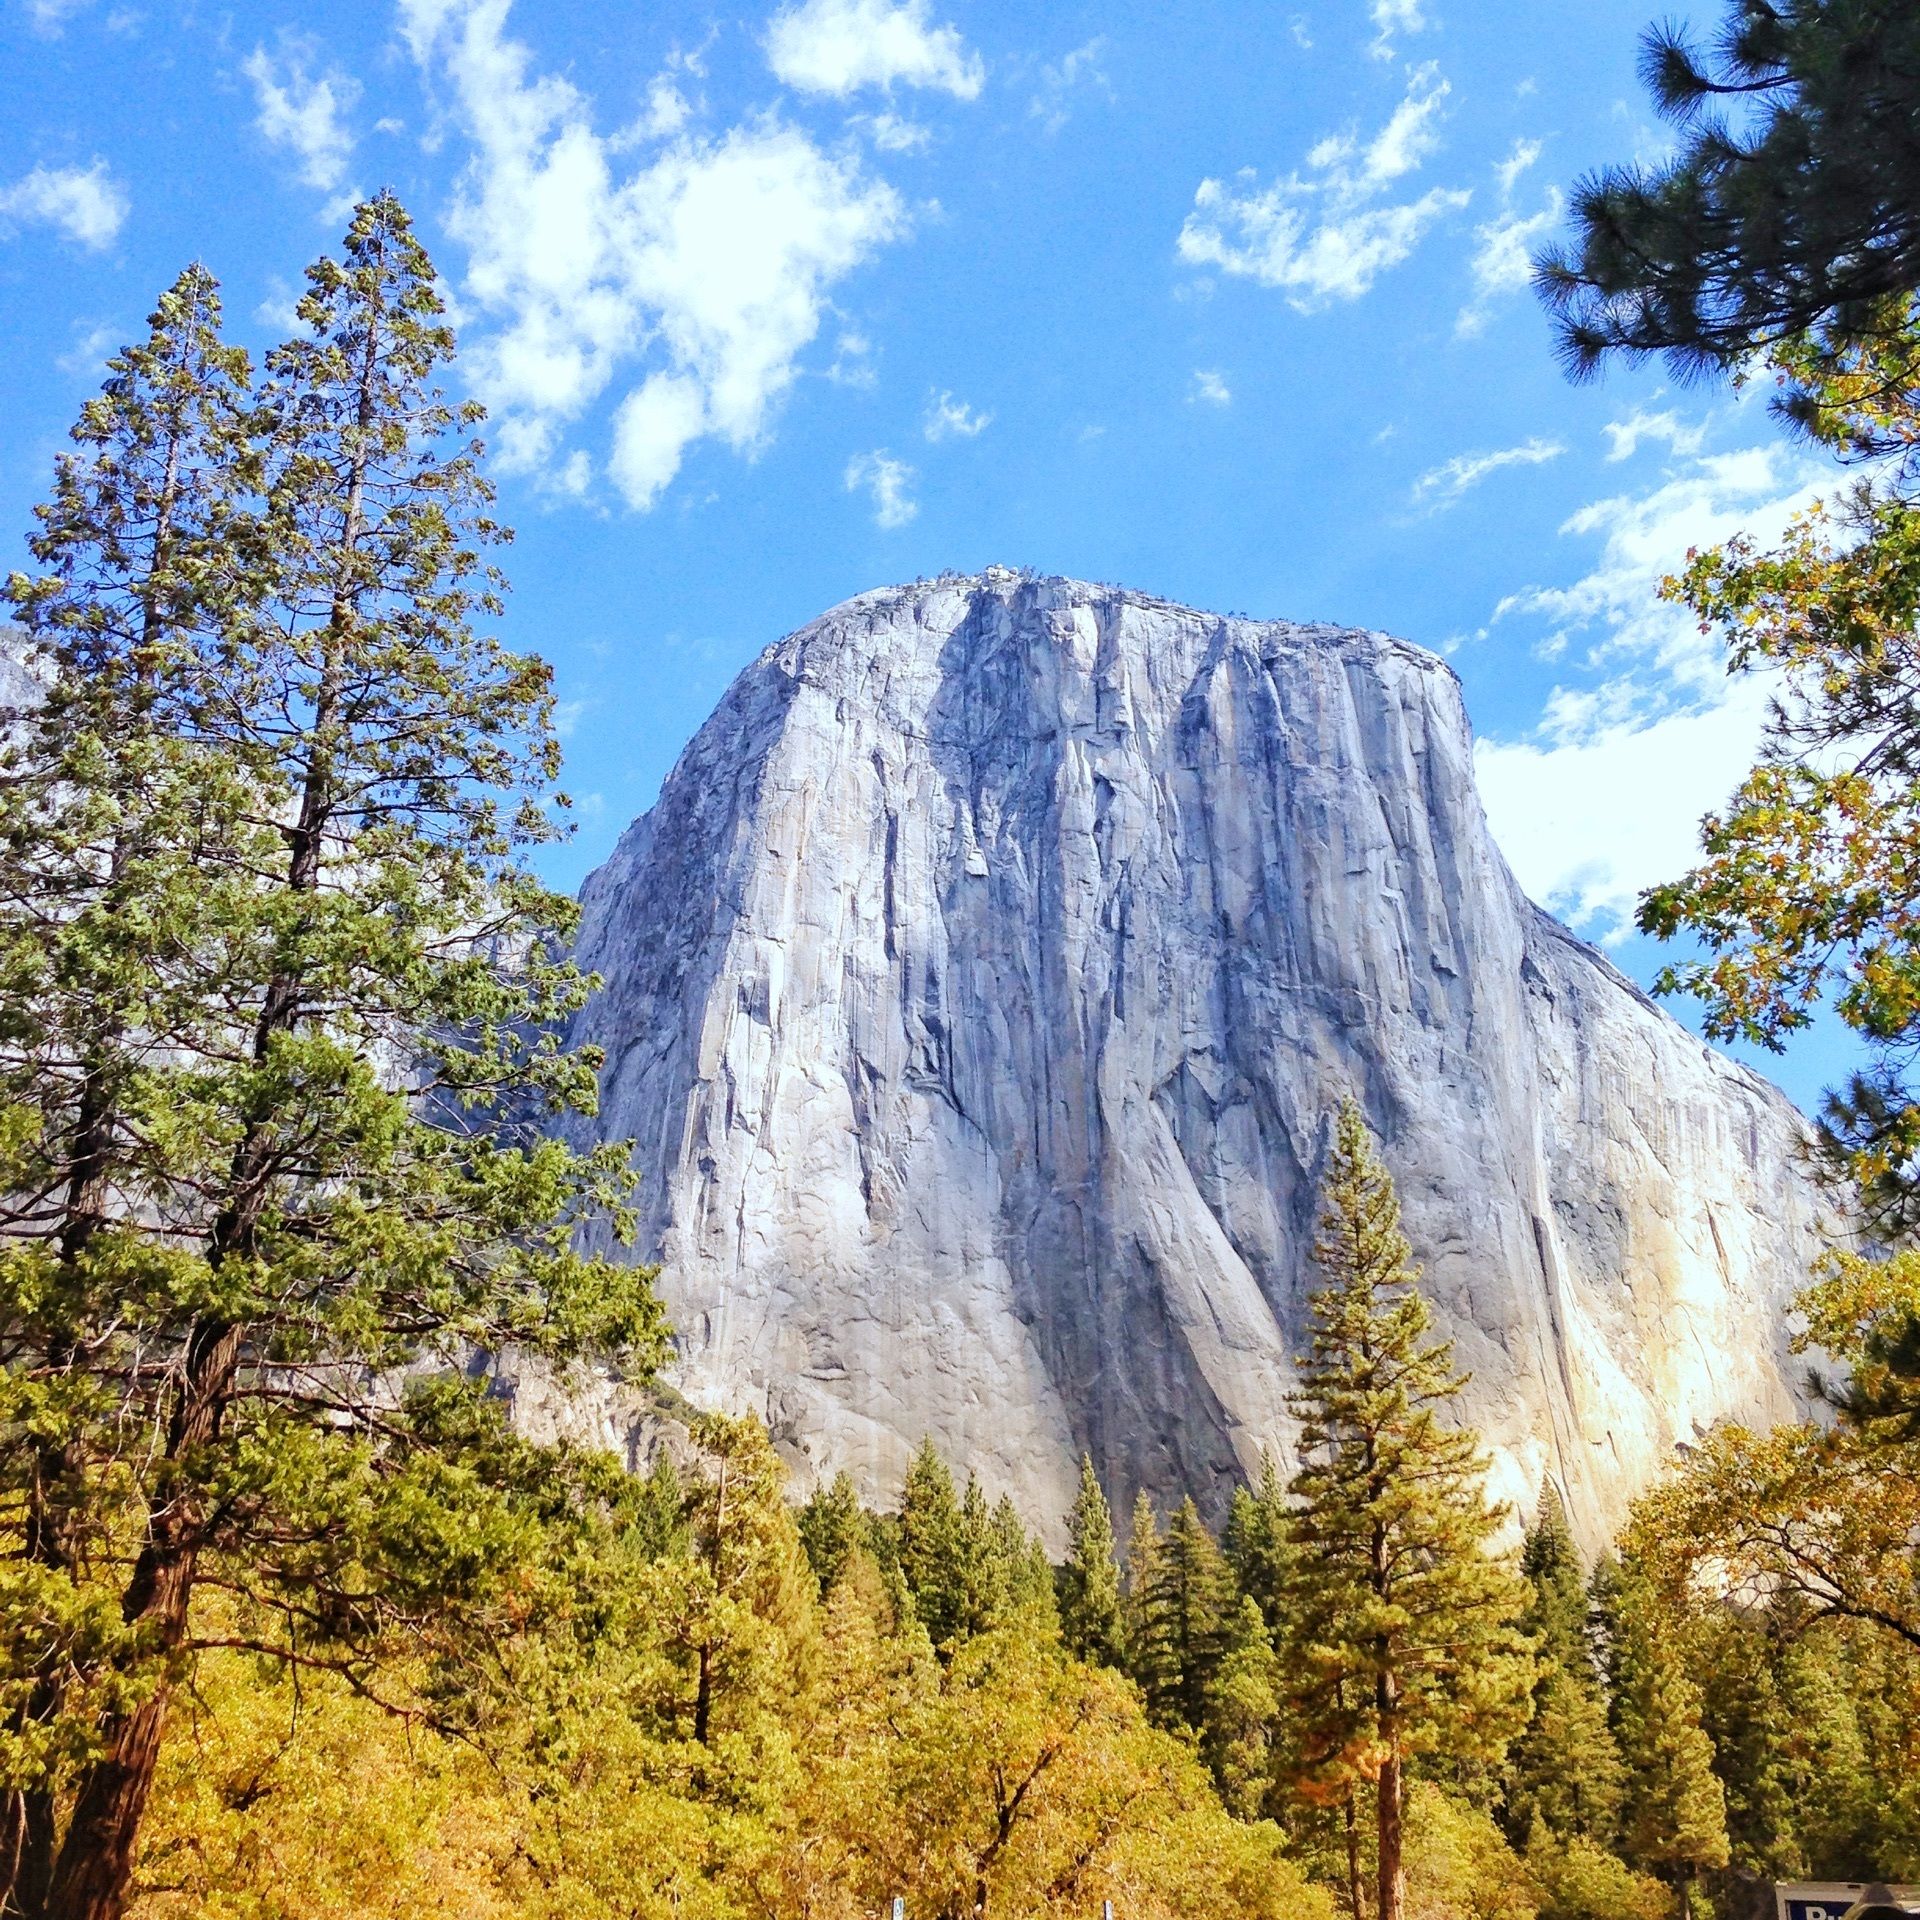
[978,991]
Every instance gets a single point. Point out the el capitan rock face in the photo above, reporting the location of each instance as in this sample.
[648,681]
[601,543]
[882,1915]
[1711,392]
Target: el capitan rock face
[978,992]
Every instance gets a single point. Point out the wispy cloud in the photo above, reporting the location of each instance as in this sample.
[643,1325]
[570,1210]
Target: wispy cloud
[1328,232]
[1504,247]
[1208,385]
[1391,18]
[1439,487]
[85,203]
[1625,437]
[692,268]
[948,418]
[304,111]
[885,481]
[49,16]
[838,47]
[892,134]
[91,346]
[1646,731]
[1059,80]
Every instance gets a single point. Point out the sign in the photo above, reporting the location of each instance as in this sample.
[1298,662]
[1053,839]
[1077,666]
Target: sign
[1829,1899]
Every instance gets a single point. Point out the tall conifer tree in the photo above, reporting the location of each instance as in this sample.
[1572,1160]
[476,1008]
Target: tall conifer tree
[1142,1613]
[1257,1543]
[1674,1820]
[1564,1770]
[1407,1636]
[112,802]
[932,1552]
[1090,1581]
[833,1528]
[326,1172]
[1197,1606]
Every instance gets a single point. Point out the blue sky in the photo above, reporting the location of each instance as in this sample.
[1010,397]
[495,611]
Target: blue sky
[1226,302]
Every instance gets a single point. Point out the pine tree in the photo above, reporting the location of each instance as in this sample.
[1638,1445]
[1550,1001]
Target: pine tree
[1196,1607]
[659,1522]
[111,804]
[932,1548]
[1564,1770]
[833,1527]
[1242,1707]
[983,1568]
[1143,1620]
[1804,219]
[1674,1820]
[346,1048]
[1090,1581]
[757,1592]
[1406,1637]
[1256,1544]
[1025,1582]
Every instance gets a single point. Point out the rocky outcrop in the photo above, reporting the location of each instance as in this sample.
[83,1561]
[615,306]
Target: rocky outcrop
[977,994]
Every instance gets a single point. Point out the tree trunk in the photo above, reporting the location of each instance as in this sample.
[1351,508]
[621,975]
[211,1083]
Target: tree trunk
[1393,1879]
[27,1815]
[1356,1890]
[95,1863]
[26,1845]
[703,1697]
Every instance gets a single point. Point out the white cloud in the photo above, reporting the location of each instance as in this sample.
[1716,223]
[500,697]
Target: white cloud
[852,364]
[1210,387]
[1060,79]
[1625,436]
[86,203]
[281,306]
[947,417]
[652,429]
[886,481]
[49,16]
[1647,731]
[1504,246]
[1589,825]
[1508,171]
[91,346]
[701,272]
[891,134]
[1320,235]
[1645,536]
[839,46]
[304,112]
[1439,487]
[1391,17]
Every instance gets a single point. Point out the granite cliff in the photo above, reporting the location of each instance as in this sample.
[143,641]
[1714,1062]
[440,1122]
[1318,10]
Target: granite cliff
[977,992]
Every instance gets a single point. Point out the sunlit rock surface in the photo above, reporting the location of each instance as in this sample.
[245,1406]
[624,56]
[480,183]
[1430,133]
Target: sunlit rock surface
[977,994]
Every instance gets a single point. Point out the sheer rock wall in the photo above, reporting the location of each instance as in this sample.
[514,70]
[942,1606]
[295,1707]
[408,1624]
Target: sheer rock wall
[977,994]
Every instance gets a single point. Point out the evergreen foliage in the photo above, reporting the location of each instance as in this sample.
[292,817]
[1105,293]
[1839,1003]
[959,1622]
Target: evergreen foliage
[1090,1580]
[1673,1819]
[1192,1610]
[1563,1772]
[969,1568]
[1406,1630]
[277,1012]
[1148,1642]
[931,1546]
[1256,1542]
[833,1528]
[1806,895]
[1791,207]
